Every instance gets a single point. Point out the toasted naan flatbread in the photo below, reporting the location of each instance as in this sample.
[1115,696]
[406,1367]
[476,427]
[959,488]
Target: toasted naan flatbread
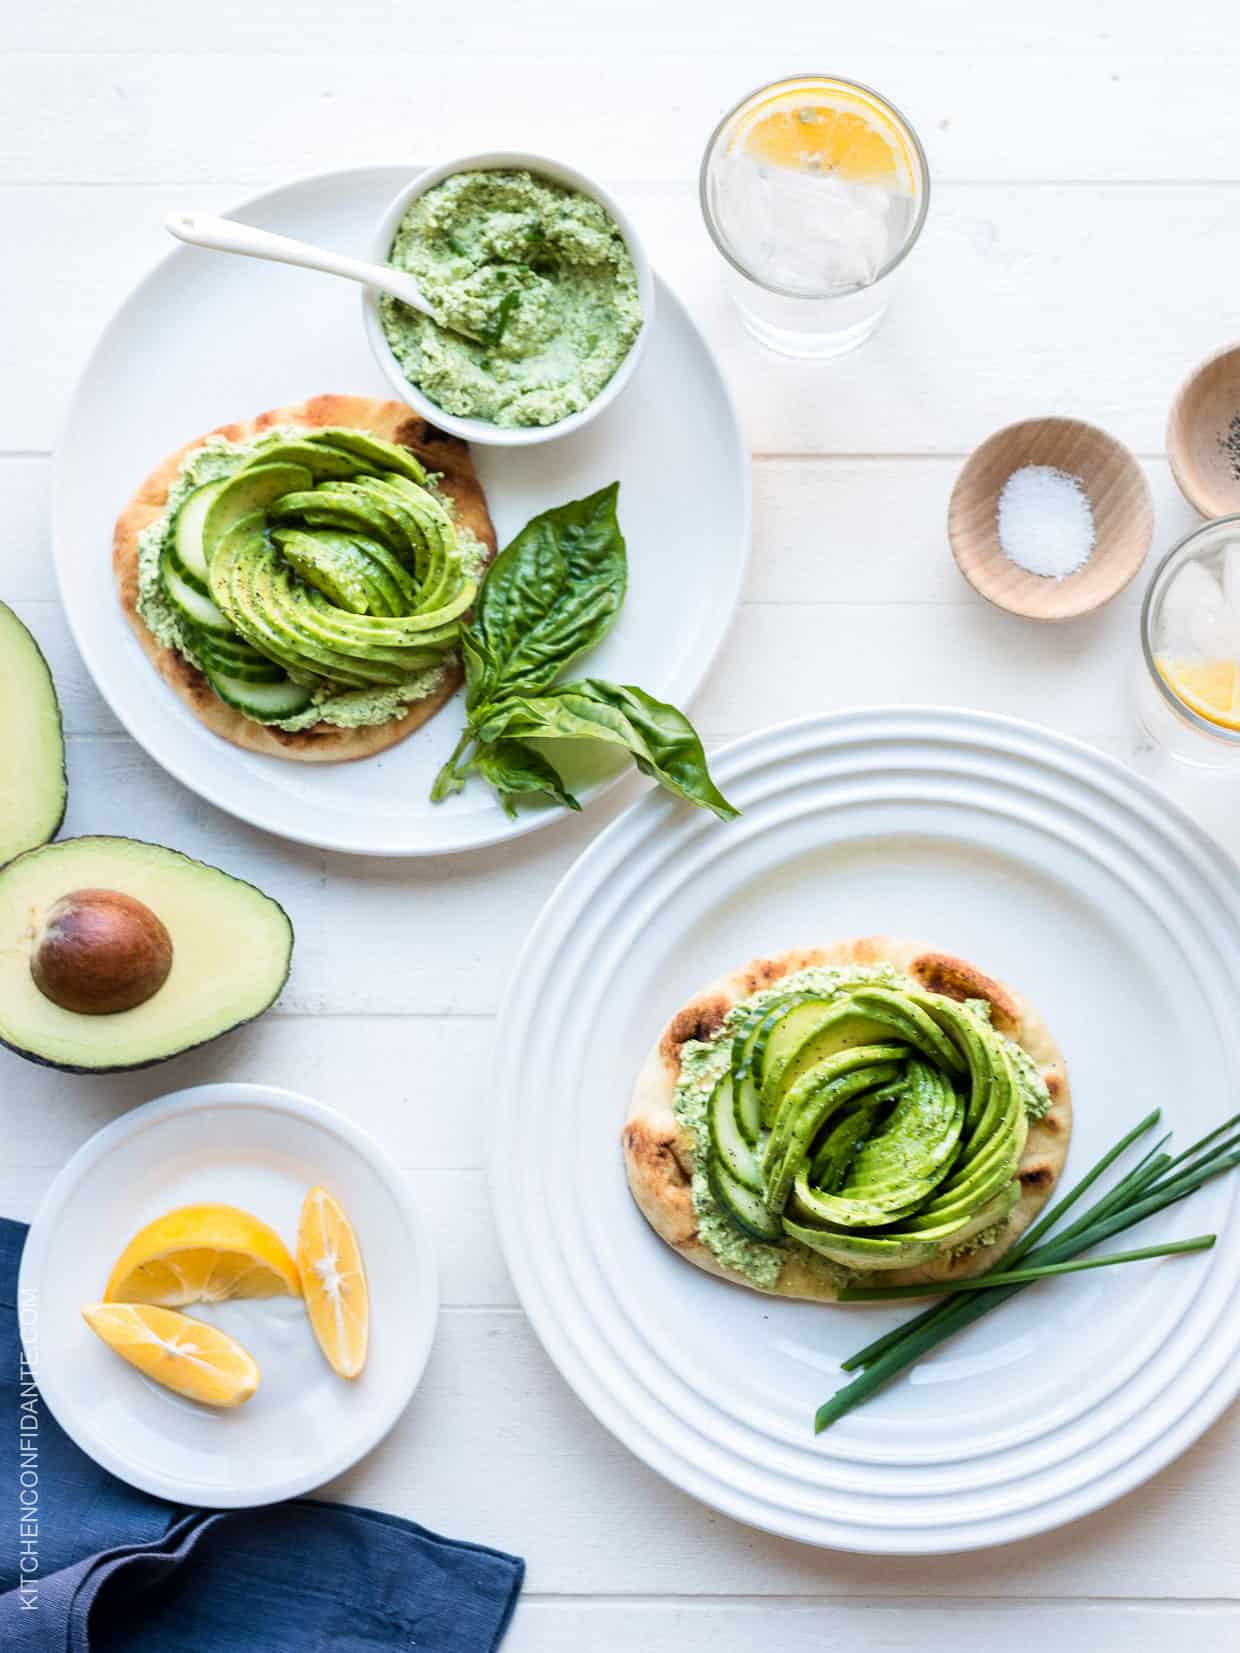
[321,742]
[658,1152]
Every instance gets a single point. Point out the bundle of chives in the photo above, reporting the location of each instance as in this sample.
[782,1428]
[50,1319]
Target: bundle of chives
[1155,1182]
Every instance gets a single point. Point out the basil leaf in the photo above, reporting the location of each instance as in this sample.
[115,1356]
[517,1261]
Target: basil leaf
[549,595]
[477,665]
[663,742]
[514,768]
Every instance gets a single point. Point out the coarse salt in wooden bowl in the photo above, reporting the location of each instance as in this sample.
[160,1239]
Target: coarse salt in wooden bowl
[1119,498]
[1203,435]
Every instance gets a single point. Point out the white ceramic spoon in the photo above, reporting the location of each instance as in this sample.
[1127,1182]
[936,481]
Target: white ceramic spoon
[225,235]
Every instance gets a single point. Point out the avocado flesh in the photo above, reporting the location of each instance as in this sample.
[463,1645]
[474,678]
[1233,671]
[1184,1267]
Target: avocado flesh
[334,565]
[329,507]
[880,1125]
[33,787]
[326,561]
[231,950]
[253,488]
[324,461]
[379,455]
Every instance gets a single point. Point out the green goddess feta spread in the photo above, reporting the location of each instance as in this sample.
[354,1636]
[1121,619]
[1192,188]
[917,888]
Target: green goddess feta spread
[703,1062]
[345,708]
[536,290]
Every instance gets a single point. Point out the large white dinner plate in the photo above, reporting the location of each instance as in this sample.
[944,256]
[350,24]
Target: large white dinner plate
[262,1149]
[208,338]
[1046,864]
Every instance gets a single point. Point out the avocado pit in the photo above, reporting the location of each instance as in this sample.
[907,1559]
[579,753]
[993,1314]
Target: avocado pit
[98,952]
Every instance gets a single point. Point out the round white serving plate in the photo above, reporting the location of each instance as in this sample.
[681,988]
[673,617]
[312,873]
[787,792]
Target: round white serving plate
[1043,862]
[262,1149]
[205,339]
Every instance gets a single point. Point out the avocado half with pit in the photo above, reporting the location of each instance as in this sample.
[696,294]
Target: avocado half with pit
[32,765]
[119,954]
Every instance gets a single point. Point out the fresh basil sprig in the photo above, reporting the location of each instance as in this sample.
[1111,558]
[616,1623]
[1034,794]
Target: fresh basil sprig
[548,597]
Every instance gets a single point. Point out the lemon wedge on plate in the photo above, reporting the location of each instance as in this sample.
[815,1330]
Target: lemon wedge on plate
[333,1280]
[1211,688]
[203,1254]
[187,1356]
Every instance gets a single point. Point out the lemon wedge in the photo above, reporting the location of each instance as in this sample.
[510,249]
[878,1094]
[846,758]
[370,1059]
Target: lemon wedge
[202,1254]
[850,139]
[186,1356]
[333,1279]
[1211,688]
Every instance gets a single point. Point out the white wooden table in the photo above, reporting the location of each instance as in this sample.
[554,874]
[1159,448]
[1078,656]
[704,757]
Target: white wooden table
[1081,253]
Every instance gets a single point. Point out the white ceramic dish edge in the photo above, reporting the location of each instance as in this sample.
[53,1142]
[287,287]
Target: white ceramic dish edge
[425,1312]
[484,431]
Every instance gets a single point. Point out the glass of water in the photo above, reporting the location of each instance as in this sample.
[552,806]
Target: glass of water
[815,190]
[1188,675]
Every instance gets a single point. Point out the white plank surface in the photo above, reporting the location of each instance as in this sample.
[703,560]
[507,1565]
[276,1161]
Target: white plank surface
[1081,254]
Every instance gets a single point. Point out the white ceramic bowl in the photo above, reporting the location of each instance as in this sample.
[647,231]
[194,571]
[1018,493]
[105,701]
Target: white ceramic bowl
[482,430]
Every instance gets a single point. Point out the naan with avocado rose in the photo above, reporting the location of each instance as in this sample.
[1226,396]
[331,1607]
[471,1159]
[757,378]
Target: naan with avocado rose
[299,579]
[869,1111]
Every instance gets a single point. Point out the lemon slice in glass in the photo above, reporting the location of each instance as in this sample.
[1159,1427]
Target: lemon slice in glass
[1211,688]
[847,135]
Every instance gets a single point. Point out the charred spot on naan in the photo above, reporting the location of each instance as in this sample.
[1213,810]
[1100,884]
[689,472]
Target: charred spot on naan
[660,1181]
[699,1021]
[953,978]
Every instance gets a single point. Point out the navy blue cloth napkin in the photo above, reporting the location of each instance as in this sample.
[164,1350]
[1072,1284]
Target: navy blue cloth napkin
[89,1565]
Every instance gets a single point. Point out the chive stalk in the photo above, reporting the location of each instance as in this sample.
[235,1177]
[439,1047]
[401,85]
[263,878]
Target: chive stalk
[1157,1181]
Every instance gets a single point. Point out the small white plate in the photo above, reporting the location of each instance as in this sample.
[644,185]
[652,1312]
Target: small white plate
[262,1149]
[1040,860]
[208,338]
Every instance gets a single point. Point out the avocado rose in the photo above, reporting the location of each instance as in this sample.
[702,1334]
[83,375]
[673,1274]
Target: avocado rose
[870,1108]
[299,579]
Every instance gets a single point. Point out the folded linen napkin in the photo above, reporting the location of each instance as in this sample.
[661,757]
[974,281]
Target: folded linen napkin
[89,1565]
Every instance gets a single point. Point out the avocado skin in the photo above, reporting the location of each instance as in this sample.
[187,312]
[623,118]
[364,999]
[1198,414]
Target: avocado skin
[197,1044]
[60,726]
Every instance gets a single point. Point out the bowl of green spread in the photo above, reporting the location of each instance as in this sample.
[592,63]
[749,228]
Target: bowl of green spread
[540,290]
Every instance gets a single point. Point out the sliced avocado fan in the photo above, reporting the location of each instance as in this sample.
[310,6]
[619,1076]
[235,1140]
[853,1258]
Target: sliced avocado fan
[32,770]
[323,563]
[119,954]
[878,1126]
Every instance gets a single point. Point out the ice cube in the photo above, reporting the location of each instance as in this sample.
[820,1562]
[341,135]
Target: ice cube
[1229,574]
[1193,598]
[807,230]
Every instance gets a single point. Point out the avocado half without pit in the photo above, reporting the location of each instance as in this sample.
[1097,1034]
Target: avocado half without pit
[118,954]
[32,771]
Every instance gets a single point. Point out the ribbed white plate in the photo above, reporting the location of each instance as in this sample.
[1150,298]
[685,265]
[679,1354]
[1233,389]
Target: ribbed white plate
[1044,863]
[207,338]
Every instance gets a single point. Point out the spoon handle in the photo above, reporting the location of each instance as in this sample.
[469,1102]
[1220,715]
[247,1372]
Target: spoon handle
[226,235]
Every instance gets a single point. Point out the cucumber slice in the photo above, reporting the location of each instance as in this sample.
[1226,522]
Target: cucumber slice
[729,1145]
[191,605]
[187,534]
[743,1206]
[264,702]
[256,669]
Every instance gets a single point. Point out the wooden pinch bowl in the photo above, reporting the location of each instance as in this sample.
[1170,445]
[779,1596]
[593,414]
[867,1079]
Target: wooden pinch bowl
[1119,497]
[1205,405]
